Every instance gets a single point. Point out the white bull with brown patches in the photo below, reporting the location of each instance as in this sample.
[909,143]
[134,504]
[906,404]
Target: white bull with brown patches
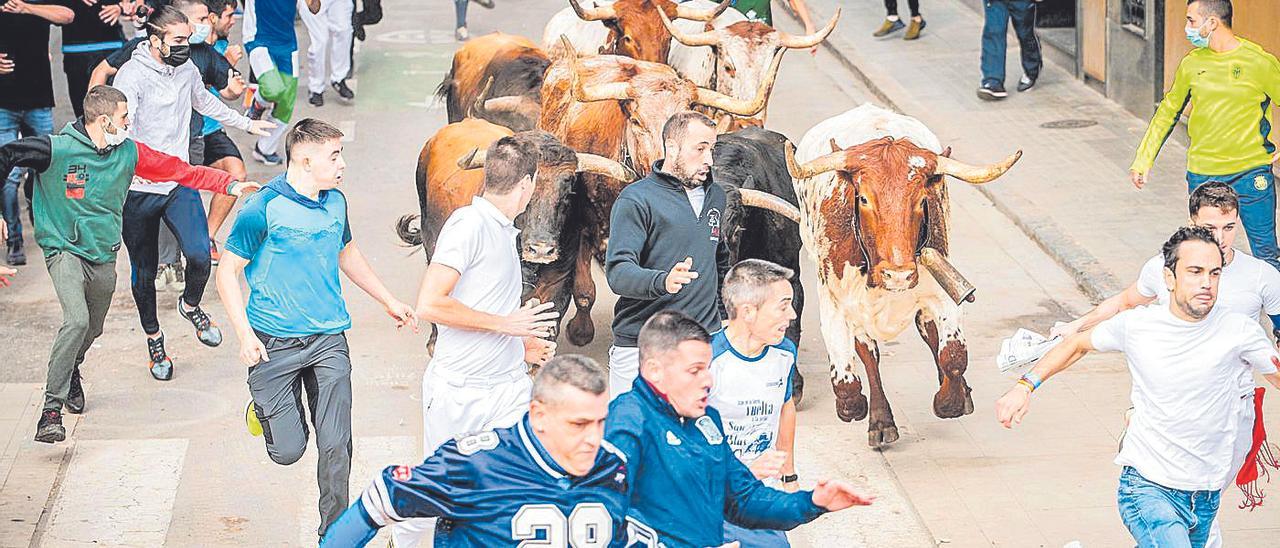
[872,199]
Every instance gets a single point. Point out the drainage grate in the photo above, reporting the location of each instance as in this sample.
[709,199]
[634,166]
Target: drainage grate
[1069,124]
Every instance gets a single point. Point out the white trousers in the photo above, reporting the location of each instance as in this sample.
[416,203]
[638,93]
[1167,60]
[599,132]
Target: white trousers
[453,406]
[624,367]
[330,32]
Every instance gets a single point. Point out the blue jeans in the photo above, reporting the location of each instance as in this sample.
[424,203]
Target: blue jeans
[30,123]
[1164,517]
[1257,207]
[755,538]
[995,34]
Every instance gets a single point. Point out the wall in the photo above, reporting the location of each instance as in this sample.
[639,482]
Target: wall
[1257,20]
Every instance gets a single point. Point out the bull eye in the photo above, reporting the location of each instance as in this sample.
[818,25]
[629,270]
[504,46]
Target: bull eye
[862,200]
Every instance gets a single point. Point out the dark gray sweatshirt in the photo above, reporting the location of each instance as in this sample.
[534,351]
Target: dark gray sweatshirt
[651,228]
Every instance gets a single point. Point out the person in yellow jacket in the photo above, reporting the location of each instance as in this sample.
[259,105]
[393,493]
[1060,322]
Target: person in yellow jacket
[1231,85]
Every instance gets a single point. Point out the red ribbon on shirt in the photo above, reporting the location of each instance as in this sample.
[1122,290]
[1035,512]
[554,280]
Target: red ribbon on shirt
[1261,457]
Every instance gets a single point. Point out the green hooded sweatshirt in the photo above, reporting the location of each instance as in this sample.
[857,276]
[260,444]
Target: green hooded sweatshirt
[79,199]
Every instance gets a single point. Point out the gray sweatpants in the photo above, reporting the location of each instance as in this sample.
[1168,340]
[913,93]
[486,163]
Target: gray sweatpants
[320,365]
[84,290]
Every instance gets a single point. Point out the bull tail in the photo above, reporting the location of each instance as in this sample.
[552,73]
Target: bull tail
[447,92]
[409,229]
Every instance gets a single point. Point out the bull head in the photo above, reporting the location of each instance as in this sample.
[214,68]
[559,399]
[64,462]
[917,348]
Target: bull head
[881,193]
[519,107]
[635,32]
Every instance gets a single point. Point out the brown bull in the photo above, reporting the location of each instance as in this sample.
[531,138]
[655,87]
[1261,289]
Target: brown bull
[497,77]
[634,28]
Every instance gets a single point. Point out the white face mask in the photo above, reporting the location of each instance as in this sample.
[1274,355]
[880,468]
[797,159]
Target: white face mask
[114,139]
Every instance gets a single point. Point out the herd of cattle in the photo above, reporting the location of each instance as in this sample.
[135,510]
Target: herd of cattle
[864,193]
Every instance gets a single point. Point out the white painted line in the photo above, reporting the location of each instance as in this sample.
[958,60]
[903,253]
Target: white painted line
[370,454]
[117,493]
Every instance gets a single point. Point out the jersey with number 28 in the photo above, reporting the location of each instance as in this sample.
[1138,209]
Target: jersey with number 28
[501,488]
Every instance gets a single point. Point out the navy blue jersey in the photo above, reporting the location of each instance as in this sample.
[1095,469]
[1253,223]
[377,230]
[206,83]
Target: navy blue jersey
[496,488]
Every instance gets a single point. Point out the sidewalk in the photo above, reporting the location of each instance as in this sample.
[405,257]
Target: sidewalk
[1071,191]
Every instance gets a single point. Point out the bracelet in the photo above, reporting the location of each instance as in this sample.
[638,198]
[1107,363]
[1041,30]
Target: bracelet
[790,478]
[1026,383]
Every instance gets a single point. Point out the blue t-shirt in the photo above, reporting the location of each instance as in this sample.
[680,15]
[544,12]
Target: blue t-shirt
[211,125]
[292,244]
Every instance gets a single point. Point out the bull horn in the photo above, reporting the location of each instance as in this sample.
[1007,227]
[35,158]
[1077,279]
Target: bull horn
[976,174]
[597,13]
[809,40]
[689,12]
[591,163]
[817,166]
[764,200]
[743,107]
[516,104]
[615,91]
[706,38]
[950,279]
[480,105]
[472,160]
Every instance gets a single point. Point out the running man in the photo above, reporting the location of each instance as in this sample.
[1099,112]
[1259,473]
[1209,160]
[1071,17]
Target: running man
[751,364]
[290,241]
[330,31]
[1185,358]
[1232,83]
[273,50]
[82,177]
[478,376]
[557,475]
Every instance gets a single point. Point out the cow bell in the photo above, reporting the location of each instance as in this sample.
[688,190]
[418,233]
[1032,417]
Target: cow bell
[954,283]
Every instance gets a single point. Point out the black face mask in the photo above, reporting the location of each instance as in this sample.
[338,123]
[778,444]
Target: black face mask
[178,54]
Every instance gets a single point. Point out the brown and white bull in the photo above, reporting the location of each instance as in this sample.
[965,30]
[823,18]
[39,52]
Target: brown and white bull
[872,198]
[632,28]
[497,77]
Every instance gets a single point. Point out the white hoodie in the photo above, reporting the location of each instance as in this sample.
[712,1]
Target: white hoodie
[160,101]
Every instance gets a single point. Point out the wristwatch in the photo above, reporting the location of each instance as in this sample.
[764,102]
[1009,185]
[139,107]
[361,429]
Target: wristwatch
[790,478]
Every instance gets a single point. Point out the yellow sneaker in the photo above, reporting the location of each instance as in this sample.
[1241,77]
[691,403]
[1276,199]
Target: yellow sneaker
[251,420]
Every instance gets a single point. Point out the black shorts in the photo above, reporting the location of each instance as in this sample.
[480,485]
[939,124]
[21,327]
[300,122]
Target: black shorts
[218,145]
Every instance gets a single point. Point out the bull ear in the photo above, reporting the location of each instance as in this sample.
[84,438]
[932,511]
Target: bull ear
[946,152]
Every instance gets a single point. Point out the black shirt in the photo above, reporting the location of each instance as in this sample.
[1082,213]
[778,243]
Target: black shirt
[25,38]
[87,28]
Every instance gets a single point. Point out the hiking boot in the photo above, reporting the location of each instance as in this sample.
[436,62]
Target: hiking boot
[889,27]
[1026,83]
[271,159]
[16,256]
[992,92]
[50,429]
[343,91]
[913,31]
[161,366]
[251,420]
[206,330]
[316,99]
[75,397]
[214,254]
[461,35]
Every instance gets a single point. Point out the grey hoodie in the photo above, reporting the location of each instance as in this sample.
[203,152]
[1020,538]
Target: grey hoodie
[161,98]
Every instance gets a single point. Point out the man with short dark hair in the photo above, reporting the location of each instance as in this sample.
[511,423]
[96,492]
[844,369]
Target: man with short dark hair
[1233,84]
[665,249]
[82,177]
[1185,358]
[478,376]
[290,241]
[686,483]
[558,477]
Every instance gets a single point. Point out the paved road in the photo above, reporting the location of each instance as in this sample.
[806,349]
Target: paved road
[170,464]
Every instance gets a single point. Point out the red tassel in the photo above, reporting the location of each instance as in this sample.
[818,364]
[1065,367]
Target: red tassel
[1260,462]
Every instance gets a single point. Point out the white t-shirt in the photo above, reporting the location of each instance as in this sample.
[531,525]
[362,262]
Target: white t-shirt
[1185,394]
[697,197]
[479,242]
[1248,286]
[749,393]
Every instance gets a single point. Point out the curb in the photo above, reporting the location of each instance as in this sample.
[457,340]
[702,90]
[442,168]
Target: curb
[1090,276]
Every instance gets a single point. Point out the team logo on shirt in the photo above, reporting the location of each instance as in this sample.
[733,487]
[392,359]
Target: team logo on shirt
[713,221]
[1236,71]
[76,178]
[709,430]
[401,473]
[672,439]
[1260,182]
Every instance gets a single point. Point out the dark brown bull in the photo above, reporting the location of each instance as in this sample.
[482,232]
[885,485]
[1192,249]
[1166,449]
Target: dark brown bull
[497,77]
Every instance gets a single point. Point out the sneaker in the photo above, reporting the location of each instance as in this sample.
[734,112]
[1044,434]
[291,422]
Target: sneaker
[343,91]
[316,99]
[50,429]
[164,276]
[75,397]
[214,254]
[992,92]
[913,31]
[161,366]
[1026,83]
[272,159]
[16,256]
[251,420]
[179,282]
[487,4]
[255,111]
[889,27]
[462,35]
[206,330]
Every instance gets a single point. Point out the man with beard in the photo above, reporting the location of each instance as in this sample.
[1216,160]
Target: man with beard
[664,234]
[1184,358]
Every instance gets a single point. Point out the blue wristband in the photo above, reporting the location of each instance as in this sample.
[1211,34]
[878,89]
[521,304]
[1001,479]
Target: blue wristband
[1034,379]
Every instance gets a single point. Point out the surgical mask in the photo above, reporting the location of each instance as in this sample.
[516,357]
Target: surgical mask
[114,139]
[178,54]
[1193,36]
[199,33]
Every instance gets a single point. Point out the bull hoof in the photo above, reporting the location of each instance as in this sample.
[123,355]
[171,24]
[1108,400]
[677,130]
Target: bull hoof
[851,409]
[580,330]
[881,436]
[948,405]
